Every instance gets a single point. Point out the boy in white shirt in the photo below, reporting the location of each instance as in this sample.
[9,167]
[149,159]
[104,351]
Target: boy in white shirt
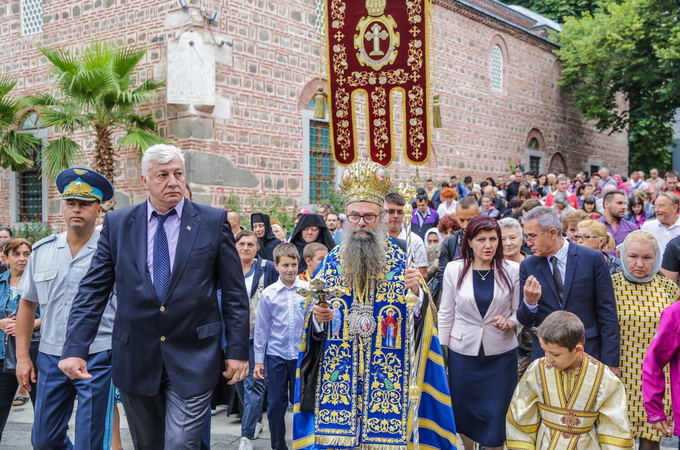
[278,328]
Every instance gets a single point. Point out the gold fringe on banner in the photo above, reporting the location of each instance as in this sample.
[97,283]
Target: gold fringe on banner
[320,103]
[436,112]
[335,441]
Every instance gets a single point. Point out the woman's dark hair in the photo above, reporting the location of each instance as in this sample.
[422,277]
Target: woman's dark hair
[474,227]
[491,181]
[580,190]
[589,200]
[635,200]
[9,230]
[515,203]
[538,180]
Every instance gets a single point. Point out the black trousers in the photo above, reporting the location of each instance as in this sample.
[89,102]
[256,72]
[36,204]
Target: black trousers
[8,389]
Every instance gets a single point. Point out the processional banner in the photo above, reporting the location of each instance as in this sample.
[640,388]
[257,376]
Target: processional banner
[377,48]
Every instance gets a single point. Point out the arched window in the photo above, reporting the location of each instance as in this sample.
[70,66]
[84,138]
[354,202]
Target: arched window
[535,151]
[28,196]
[496,68]
[319,172]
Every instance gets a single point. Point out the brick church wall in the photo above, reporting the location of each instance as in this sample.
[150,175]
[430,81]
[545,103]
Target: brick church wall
[270,74]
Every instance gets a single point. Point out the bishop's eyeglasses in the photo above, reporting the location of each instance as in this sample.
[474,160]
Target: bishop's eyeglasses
[368,218]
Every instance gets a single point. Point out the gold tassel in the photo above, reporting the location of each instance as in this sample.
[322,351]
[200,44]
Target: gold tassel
[320,103]
[436,112]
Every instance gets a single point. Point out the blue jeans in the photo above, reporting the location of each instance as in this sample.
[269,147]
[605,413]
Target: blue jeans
[251,393]
[281,379]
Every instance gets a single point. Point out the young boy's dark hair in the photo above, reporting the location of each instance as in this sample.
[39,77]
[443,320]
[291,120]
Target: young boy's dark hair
[310,250]
[285,249]
[562,328]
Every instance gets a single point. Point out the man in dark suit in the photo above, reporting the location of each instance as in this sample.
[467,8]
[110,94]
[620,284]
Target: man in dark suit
[166,258]
[564,276]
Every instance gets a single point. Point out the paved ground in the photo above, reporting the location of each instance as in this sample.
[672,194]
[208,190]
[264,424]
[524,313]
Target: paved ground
[226,432]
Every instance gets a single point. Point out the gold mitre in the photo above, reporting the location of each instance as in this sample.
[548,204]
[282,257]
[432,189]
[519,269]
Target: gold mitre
[376,8]
[365,181]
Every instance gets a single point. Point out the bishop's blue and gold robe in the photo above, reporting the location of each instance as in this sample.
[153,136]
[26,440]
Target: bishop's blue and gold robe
[354,391]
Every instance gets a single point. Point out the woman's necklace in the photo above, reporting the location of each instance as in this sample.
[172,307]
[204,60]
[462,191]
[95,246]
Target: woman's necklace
[483,277]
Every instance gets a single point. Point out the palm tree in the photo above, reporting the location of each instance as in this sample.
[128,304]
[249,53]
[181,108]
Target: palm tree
[95,91]
[17,150]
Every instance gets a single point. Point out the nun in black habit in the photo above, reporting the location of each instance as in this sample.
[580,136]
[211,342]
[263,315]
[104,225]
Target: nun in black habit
[267,241]
[301,238]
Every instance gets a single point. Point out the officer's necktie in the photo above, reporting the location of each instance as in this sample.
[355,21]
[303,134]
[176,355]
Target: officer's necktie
[557,276]
[161,257]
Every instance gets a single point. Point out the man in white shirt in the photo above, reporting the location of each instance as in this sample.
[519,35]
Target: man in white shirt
[637,183]
[666,226]
[394,218]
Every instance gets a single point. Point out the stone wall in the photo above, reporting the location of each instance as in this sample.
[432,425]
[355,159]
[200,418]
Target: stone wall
[251,141]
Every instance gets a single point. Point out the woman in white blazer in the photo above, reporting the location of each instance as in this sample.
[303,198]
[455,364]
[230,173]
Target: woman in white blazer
[478,323]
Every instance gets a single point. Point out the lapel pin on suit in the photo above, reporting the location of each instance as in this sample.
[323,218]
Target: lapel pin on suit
[188,228]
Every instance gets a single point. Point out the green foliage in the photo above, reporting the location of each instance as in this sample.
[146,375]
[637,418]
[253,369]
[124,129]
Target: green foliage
[96,91]
[33,231]
[558,9]
[626,50]
[17,150]
[275,207]
[336,200]
[232,203]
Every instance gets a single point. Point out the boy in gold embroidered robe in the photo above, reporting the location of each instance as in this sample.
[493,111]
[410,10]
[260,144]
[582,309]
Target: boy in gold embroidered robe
[567,399]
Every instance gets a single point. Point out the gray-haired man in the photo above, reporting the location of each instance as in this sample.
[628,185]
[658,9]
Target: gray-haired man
[564,276]
[166,258]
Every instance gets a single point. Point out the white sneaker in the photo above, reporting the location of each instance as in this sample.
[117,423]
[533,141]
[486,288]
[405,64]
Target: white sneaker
[258,429]
[246,444]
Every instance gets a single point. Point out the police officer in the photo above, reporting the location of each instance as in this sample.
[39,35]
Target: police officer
[51,279]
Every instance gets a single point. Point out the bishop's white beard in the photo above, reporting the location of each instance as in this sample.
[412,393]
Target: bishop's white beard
[363,254]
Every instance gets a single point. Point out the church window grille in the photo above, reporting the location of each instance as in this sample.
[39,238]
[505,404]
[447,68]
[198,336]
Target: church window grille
[496,68]
[31,16]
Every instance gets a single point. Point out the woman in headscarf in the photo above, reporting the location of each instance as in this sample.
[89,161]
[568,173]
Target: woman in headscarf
[310,228]
[620,184]
[433,243]
[641,295]
[261,225]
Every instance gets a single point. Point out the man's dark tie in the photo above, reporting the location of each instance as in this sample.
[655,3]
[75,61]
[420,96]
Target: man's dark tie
[557,276]
[161,257]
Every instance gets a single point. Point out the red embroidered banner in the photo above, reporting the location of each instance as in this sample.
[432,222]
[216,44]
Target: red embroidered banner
[376,48]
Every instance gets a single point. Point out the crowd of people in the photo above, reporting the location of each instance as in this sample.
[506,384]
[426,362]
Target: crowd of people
[554,298]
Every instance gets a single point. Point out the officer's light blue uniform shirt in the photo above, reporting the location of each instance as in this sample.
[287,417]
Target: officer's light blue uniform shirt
[51,279]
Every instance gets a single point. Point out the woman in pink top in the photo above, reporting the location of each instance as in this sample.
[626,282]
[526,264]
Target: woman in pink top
[664,350]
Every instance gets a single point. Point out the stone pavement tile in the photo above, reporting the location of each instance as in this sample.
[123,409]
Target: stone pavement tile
[226,432]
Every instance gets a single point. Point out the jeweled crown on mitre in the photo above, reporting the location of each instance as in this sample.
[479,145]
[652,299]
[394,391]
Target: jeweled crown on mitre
[365,181]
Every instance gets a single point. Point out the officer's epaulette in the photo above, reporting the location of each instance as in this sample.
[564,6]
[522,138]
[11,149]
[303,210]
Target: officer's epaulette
[44,240]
